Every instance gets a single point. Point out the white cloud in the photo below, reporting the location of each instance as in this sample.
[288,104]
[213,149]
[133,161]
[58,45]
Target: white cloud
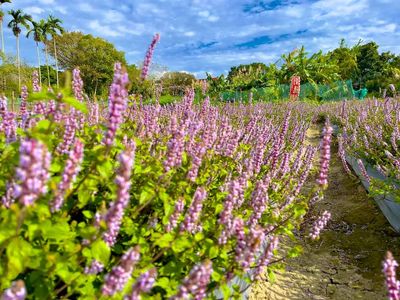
[333,8]
[113,16]
[61,9]
[204,13]
[46,2]
[103,30]
[189,33]
[34,10]
[85,7]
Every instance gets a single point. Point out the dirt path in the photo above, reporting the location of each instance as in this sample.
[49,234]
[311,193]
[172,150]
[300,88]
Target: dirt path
[346,262]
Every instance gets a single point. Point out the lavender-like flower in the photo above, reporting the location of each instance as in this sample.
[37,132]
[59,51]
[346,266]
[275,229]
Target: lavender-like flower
[17,291]
[71,170]
[143,285]
[248,247]
[258,202]
[363,170]
[10,127]
[117,103]
[190,223]
[8,199]
[77,87]
[196,283]
[3,106]
[173,220]
[320,224]
[113,217]
[265,259]
[94,268]
[175,147]
[69,134]
[115,280]
[389,270]
[342,154]
[149,56]
[35,81]
[24,97]
[325,155]
[32,173]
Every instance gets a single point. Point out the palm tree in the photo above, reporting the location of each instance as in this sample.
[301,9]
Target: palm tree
[45,27]
[37,31]
[1,24]
[19,18]
[55,28]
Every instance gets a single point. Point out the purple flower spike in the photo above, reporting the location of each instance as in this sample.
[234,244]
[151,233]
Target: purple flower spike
[196,283]
[325,155]
[113,217]
[143,285]
[115,280]
[149,56]
[117,103]
[17,291]
[320,224]
[94,268]
[71,170]
[69,134]
[389,270]
[32,173]
[190,223]
[24,97]
[266,256]
[173,220]
[363,170]
[35,81]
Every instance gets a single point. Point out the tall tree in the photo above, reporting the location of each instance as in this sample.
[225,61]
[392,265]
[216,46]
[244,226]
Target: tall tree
[18,19]
[54,29]
[94,56]
[1,24]
[45,27]
[37,32]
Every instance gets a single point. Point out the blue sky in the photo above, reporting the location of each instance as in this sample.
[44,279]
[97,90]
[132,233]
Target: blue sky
[213,35]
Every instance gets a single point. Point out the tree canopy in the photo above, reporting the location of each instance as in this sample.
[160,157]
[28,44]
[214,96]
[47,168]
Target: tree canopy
[93,55]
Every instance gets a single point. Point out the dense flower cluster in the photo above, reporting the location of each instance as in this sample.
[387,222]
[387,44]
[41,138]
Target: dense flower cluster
[16,292]
[149,56]
[196,283]
[325,155]
[117,103]
[143,284]
[320,224]
[32,174]
[191,222]
[116,280]
[389,270]
[71,170]
[113,217]
[94,268]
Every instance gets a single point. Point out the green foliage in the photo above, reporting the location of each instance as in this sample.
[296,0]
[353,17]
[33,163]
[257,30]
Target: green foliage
[145,88]
[49,251]
[176,83]
[94,56]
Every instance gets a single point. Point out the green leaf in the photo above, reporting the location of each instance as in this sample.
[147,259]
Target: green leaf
[75,104]
[100,251]
[105,169]
[88,214]
[165,240]
[181,244]
[146,195]
[58,231]
[41,96]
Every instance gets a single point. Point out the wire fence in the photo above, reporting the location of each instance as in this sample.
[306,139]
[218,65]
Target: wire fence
[337,91]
